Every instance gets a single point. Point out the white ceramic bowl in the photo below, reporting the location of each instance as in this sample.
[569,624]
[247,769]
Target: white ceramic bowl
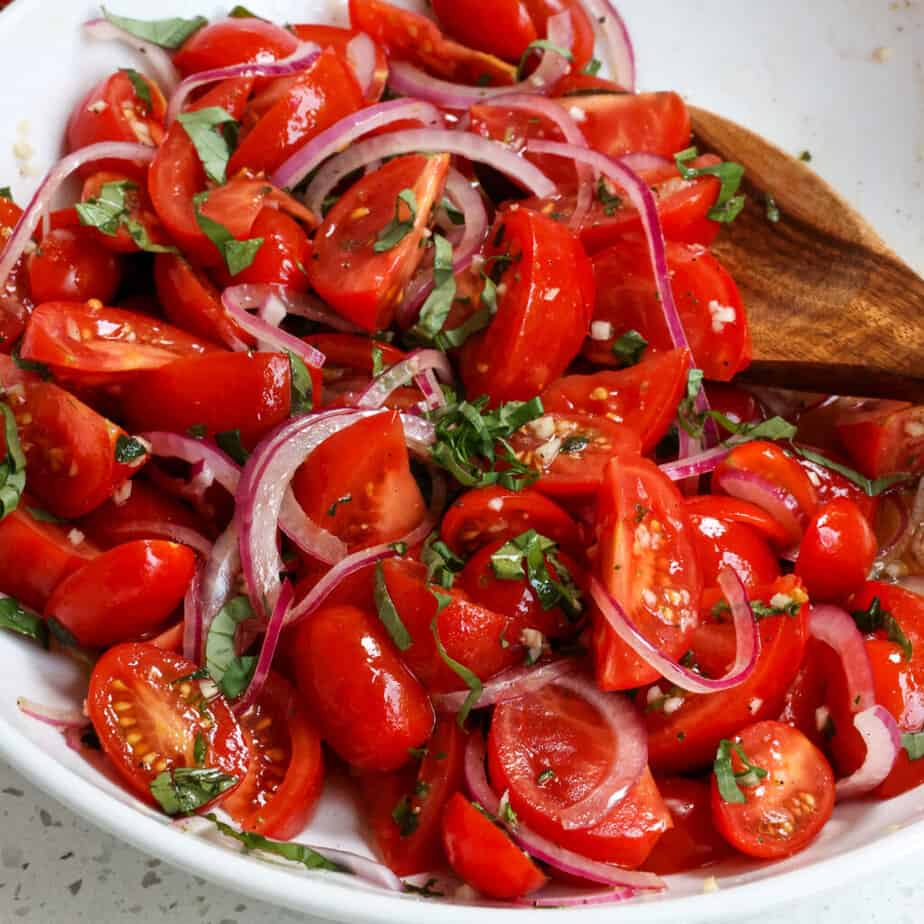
[804,75]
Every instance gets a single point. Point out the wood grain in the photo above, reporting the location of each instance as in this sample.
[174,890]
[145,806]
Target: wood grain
[831,308]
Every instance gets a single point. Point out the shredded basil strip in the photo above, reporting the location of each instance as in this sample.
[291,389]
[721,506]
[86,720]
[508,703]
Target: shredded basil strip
[168,33]
[388,613]
[913,743]
[687,415]
[773,428]
[541,45]
[200,749]
[378,362]
[43,516]
[435,309]
[870,487]
[465,675]
[875,619]
[729,204]
[592,67]
[229,441]
[140,86]
[230,671]
[109,212]
[728,781]
[241,12]
[129,450]
[398,228]
[30,365]
[456,216]
[212,146]
[16,619]
[629,348]
[609,200]
[450,339]
[442,563]
[184,789]
[404,817]
[13,466]
[6,193]
[302,388]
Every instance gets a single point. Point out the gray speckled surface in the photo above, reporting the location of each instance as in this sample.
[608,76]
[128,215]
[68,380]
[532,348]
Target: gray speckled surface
[56,867]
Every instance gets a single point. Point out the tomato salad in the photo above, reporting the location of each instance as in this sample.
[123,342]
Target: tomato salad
[373,407]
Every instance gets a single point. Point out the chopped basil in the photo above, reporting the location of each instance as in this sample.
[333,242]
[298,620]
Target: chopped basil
[469,678]
[687,416]
[62,635]
[913,743]
[773,210]
[13,466]
[450,339]
[230,442]
[545,776]
[238,255]
[774,428]
[230,671]
[108,212]
[575,444]
[610,201]
[213,147]
[871,487]
[14,618]
[168,33]
[241,12]
[729,782]
[288,850]
[507,815]
[388,613]
[456,216]
[541,45]
[6,193]
[760,609]
[343,499]
[442,563]
[302,388]
[129,450]
[729,204]
[30,365]
[43,516]
[200,673]
[197,431]
[184,789]
[424,891]
[378,365]
[468,438]
[592,68]
[404,816]
[398,228]
[200,749]
[435,309]
[875,619]
[140,86]
[629,348]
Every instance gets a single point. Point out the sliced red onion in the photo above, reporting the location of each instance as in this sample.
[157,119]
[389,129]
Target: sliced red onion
[832,625]
[617,45]
[509,684]
[360,53]
[161,63]
[305,54]
[644,162]
[540,847]
[408,80]
[172,531]
[342,134]
[214,465]
[55,716]
[214,584]
[883,740]
[268,336]
[558,899]
[401,373]
[298,303]
[694,466]
[48,188]
[747,638]
[463,144]
[192,617]
[753,487]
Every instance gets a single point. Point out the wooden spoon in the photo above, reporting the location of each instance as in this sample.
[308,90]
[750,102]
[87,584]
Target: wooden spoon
[831,308]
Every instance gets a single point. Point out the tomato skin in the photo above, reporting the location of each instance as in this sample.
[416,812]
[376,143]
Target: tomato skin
[233,41]
[484,856]
[15,301]
[35,556]
[275,801]
[837,551]
[735,510]
[361,285]
[484,514]
[542,317]
[72,265]
[644,396]
[136,681]
[782,815]
[250,392]
[339,39]
[647,561]
[369,706]
[627,301]
[884,437]
[503,29]
[693,841]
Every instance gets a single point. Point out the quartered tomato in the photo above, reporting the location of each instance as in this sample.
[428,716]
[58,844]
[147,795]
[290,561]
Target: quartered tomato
[784,809]
[250,392]
[706,295]
[504,29]
[149,723]
[483,855]
[15,302]
[884,437]
[350,269]
[72,264]
[124,593]
[554,729]
[643,397]
[244,40]
[647,561]
[543,313]
[140,212]
[371,500]
[486,514]
[286,772]
[571,451]
[369,706]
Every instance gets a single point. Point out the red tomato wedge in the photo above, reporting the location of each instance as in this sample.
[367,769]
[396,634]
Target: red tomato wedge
[884,437]
[243,40]
[339,40]
[503,29]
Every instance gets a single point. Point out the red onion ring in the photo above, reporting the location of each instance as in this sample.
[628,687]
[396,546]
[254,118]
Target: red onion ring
[883,740]
[643,162]
[174,532]
[161,62]
[55,716]
[507,685]
[412,366]
[540,847]
[342,134]
[747,638]
[832,625]
[192,617]
[305,54]
[300,304]
[463,144]
[694,466]
[214,584]
[42,198]
[213,464]
[616,42]
[360,53]
[750,486]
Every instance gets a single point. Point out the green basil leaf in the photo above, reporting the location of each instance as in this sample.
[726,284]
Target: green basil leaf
[871,487]
[629,348]
[435,309]
[592,68]
[302,388]
[230,671]
[141,88]
[875,619]
[14,618]
[238,255]
[168,33]
[398,228]
[913,743]
[442,563]
[404,816]
[129,450]
[607,199]
[729,204]
[200,749]
[456,216]
[184,789]
[43,516]
[212,147]
[687,416]
[469,678]
[6,193]
[729,782]
[378,364]
[13,466]
[229,441]
[388,613]
[241,12]
[288,850]
[774,428]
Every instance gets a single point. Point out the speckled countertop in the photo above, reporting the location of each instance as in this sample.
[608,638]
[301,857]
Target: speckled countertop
[55,867]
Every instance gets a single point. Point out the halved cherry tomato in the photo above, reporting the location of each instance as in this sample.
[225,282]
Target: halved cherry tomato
[15,302]
[836,552]
[283,783]
[647,561]
[360,283]
[369,706]
[706,295]
[113,111]
[90,343]
[735,403]
[831,485]
[71,264]
[123,593]
[483,855]
[485,514]
[244,40]
[884,437]
[571,451]
[787,808]
[553,729]
[374,499]
[339,40]
[543,314]
[36,554]
[692,842]
[138,206]
[148,723]
[686,738]
[404,809]
[503,29]
[732,509]
[250,392]
[643,397]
